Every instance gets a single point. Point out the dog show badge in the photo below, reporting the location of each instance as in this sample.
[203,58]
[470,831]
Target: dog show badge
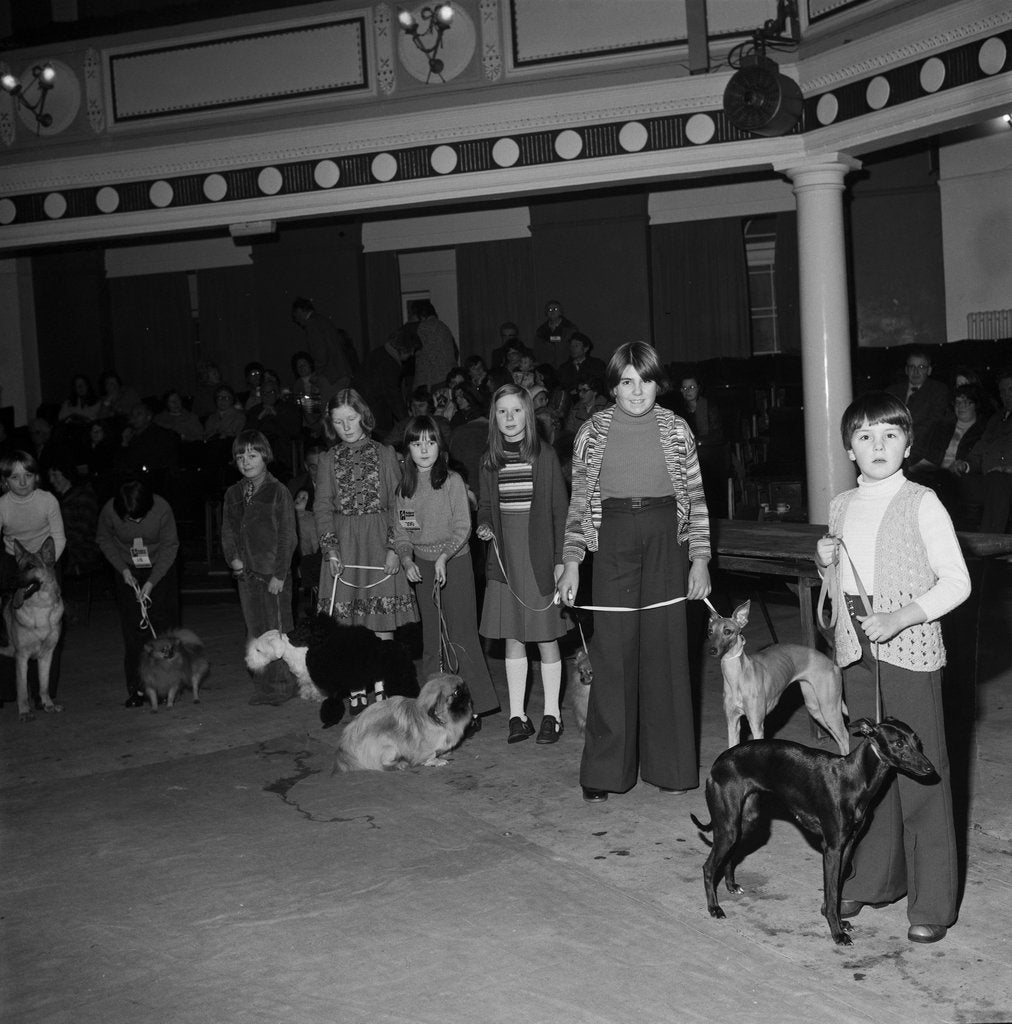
[408,519]
[139,554]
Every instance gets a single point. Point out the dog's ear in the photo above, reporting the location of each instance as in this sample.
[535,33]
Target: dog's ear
[21,553]
[740,615]
[862,727]
[48,551]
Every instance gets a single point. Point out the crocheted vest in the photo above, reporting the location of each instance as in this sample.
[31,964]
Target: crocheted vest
[902,574]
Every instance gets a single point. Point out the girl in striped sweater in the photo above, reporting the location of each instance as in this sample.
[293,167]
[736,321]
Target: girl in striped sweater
[522,505]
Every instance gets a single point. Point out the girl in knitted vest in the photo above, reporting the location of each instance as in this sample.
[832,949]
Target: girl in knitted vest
[902,546]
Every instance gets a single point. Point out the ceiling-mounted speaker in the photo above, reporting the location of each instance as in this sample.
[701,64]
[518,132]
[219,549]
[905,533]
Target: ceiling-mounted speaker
[760,100]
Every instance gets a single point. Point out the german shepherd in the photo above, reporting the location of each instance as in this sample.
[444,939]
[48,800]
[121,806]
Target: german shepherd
[33,618]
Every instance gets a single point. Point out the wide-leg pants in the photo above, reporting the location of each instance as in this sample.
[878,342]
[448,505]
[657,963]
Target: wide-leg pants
[640,708]
[263,611]
[909,847]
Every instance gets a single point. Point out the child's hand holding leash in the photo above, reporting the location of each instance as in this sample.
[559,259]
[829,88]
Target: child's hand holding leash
[335,566]
[827,550]
[440,570]
[568,582]
[484,532]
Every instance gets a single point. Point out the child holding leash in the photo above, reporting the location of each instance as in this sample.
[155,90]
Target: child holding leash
[258,539]
[898,543]
[431,532]
[522,509]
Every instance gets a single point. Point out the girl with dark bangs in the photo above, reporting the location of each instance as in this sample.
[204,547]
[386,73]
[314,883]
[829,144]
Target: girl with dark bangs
[431,530]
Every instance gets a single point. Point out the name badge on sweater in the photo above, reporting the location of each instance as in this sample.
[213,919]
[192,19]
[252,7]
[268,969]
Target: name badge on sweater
[139,554]
[408,519]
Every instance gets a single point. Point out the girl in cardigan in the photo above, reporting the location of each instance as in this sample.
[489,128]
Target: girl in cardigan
[430,535]
[522,504]
[906,554]
[638,503]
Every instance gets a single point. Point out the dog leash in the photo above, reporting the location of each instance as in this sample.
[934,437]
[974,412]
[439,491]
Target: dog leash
[357,586]
[448,660]
[829,583]
[557,598]
[144,600]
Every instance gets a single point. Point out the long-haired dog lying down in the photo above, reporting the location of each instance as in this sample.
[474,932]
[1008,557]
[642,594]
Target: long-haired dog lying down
[331,662]
[402,733]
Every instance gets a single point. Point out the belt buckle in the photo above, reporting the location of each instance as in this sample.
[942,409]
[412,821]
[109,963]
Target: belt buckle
[635,503]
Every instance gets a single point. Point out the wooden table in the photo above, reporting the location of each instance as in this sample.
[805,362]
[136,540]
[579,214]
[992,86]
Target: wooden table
[786,549]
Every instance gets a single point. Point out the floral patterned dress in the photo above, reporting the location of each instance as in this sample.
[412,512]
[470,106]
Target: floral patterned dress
[354,512]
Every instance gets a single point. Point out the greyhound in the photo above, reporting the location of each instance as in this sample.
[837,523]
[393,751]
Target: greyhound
[753,685]
[828,795]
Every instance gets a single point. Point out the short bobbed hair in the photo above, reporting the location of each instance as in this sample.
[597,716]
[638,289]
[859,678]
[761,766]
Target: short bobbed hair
[255,440]
[643,359]
[134,499]
[875,407]
[348,396]
[11,459]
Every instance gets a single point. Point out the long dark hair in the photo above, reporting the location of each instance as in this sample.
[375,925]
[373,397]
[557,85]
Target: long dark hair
[530,446]
[417,428]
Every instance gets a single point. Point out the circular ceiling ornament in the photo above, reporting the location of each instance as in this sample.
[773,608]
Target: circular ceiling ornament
[160,194]
[699,129]
[932,74]
[505,152]
[569,144]
[55,205]
[827,109]
[107,200]
[326,174]
[215,187]
[384,166]
[269,181]
[877,93]
[443,159]
[633,136]
[992,56]
[8,211]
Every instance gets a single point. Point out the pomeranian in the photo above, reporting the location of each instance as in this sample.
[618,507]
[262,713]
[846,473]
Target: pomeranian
[170,663]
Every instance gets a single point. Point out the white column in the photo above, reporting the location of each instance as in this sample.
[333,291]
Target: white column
[825,324]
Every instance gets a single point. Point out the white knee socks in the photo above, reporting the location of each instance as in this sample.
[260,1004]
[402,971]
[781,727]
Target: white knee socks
[551,679]
[516,681]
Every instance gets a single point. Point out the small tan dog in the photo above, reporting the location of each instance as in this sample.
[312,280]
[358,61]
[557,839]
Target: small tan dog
[404,732]
[753,685]
[172,662]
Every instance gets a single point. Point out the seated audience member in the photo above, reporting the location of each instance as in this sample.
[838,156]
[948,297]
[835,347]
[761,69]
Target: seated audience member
[95,459]
[949,443]
[207,382]
[252,374]
[116,400]
[382,378]
[311,391]
[421,405]
[177,418]
[279,421]
[968,375]
[588,401]
[551,339]
[580,365]
[79,508]
[478,379]
[509,334]
[225,422]
[927,399]
[146,448]
[986,473]
[698,411]
[82,404]
[40,442]
[467,405]
[523,375]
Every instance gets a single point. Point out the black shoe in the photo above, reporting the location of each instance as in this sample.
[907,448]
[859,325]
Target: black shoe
[520,729]
[551,730]
[136,701]
[594,796]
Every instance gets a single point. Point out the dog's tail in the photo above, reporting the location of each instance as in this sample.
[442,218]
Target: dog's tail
[343,763]
[708,827]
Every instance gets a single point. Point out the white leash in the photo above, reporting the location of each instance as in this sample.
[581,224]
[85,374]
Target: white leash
[357,586]
[144,600]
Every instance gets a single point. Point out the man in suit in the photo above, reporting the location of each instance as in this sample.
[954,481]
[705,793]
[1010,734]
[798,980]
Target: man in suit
[927,399]
[581,366]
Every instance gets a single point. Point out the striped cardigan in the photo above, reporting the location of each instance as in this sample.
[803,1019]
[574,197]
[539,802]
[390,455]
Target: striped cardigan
[679,447]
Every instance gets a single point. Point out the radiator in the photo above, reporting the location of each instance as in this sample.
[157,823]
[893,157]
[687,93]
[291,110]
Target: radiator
[989,325]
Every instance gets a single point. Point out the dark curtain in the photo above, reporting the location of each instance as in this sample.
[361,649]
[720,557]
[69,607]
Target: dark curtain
[229,326]
[152,332]
[700,290]
[786,283]
[382,312]
[495,282]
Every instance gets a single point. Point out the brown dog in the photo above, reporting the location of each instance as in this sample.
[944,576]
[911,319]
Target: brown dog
[754,684]
[34,618]
[170,663]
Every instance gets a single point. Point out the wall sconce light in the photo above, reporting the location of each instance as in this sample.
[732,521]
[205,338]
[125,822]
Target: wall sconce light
[43,80]
[435,22]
